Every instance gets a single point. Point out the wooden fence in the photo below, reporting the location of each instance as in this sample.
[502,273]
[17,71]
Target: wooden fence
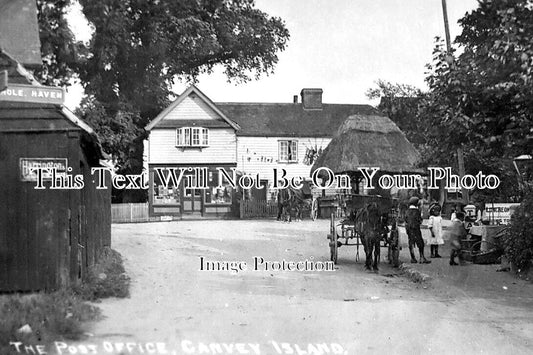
[258,208]
[138,212]
[129,212]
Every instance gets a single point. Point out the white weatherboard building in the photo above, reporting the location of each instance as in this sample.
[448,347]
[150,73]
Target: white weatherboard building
[253,138]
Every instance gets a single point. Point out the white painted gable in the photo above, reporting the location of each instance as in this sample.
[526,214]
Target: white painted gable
[192,108]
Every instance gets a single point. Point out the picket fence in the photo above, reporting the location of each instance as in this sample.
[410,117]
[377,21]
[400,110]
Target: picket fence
[258,209]
[138,212]
[129,212]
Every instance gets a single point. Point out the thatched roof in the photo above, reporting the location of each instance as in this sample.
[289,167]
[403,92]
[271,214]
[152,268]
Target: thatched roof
[369,141]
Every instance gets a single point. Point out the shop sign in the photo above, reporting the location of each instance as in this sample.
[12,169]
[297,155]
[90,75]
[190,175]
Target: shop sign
[33,94]
[27,166]
[499,213]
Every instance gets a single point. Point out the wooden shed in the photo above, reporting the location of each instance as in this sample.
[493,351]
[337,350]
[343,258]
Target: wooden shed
[48,237]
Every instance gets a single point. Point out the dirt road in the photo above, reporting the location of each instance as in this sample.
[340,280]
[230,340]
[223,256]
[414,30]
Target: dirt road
[346,311]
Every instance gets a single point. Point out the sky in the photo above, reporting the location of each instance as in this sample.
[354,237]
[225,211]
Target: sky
[341,46]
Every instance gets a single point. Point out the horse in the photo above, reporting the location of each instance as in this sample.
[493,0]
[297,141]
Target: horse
[371,226]
[290,200]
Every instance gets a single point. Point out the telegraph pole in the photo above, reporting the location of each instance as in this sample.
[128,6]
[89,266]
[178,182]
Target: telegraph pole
[460,157]
[446,26]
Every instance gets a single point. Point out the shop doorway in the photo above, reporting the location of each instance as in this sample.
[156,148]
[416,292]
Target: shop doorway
[192,199]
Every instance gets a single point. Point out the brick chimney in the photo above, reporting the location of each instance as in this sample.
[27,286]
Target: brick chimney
[311,99]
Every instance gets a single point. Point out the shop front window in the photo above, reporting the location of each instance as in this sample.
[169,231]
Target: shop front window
[216,195]
[219,195]
[165,195]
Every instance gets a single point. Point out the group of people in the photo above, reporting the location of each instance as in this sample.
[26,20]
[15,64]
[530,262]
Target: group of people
[413,221]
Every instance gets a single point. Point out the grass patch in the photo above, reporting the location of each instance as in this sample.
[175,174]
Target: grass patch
[51,316]
[61,315]
[106,279]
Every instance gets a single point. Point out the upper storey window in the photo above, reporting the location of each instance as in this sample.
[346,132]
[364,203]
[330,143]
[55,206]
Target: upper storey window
[192,137]
[288,151]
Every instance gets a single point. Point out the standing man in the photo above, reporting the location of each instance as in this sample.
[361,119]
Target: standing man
[282,198]
[413,221]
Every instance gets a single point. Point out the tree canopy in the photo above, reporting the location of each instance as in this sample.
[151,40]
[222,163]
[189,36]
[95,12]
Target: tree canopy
[60,51]
[400,103]
[140,47]
[484,94]
[480,96]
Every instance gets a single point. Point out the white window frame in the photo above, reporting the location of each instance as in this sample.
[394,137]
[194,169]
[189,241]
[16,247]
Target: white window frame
[291,153]
[205,137]
[192,137]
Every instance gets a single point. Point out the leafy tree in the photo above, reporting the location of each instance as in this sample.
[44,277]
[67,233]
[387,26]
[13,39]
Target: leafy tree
[118,132]
[481,95]
[60,52]
[518,241]
[140,47]
[400,103]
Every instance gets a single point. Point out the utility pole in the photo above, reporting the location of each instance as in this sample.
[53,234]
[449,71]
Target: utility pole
[446,26]
[460,157]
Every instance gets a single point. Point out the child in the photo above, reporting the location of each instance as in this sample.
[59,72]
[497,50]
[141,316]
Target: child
[457,233]
[394,245]
[435,227]
[413,220]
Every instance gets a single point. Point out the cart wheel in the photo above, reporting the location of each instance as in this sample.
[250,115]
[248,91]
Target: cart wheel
[333,246]
[314,209]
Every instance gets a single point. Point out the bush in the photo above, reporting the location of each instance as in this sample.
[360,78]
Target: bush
[54,316]
[106,279]
[518,241]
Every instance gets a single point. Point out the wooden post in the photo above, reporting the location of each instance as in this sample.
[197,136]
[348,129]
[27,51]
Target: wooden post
[446,26]
[460,157]
[461,163]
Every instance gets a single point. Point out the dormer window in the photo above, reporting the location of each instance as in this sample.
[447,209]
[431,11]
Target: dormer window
[192,137]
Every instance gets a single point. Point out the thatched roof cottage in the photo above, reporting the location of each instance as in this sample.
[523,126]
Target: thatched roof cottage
[369,141]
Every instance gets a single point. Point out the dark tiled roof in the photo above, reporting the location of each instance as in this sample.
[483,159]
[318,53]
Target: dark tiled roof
[19,31]
[168,123]
[290,120]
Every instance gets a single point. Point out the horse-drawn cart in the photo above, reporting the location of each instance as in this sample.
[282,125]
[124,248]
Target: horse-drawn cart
[297,202]
[364,141]
[366,223]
